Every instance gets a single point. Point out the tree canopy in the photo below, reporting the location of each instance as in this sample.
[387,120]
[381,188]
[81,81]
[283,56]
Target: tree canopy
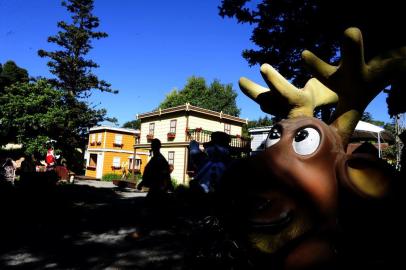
[34,112]
[216,96]
[70,115]
[134,124]
[284,28]
[260,122]
[69,65]
[11,73]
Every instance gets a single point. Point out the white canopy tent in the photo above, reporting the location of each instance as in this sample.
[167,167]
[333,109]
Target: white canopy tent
[368,130]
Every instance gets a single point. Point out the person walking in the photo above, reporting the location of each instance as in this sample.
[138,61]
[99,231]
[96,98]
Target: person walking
[156,175]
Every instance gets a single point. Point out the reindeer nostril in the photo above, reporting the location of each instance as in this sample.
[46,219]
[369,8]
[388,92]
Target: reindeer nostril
[264,205]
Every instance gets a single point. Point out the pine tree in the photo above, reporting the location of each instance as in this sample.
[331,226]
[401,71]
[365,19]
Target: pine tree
[73,71]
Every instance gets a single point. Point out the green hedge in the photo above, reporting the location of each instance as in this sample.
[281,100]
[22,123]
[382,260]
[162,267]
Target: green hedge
[111,176]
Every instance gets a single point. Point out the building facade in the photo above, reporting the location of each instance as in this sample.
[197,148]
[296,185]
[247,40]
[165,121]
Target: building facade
[258,138]
[111,149]
[176,127]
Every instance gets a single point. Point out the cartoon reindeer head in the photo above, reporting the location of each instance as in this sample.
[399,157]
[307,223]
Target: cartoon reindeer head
[298,193]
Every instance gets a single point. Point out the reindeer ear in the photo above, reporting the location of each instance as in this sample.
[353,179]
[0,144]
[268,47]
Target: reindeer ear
[366,175]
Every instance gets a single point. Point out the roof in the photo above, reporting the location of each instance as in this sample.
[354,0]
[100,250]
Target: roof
[365,130]
[365,126]
[190,108]
[259,129]
[123,130]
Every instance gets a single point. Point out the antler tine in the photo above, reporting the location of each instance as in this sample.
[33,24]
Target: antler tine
[355,82]
[287,100]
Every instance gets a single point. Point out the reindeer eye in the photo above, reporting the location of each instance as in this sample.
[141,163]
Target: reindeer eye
[273,137]
[306,141]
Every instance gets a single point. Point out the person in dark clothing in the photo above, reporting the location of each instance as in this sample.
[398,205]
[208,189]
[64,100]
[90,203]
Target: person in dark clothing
[156,175]
[211,163]
[7,172]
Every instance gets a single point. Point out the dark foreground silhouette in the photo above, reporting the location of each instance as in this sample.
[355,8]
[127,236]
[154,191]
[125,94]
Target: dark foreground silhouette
[82,227]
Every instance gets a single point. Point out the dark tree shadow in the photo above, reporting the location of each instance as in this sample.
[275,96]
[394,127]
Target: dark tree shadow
[82,227]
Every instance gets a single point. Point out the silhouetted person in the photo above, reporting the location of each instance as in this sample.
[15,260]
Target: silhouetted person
[28,168]
[156,175]
[212,163]
[7,172]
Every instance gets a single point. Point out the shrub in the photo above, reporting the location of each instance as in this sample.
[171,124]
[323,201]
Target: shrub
[174,183]
[111,176]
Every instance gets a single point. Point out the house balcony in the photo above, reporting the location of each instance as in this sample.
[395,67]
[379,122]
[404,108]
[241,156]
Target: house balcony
[237,143]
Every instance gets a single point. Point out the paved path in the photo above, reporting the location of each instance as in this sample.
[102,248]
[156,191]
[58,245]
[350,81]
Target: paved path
[89,225]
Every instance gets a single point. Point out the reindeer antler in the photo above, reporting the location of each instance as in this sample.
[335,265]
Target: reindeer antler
[355,82]
[287,100]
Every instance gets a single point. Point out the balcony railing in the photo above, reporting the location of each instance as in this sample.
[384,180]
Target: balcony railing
[203,136]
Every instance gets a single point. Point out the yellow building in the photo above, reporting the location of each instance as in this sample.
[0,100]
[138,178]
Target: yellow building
[111,150]
[176,127]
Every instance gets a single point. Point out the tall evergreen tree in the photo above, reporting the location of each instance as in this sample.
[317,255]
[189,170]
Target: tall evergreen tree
[74,77]
[69,65]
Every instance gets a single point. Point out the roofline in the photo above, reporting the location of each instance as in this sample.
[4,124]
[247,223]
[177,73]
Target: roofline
[191,108]
[264,128]
[124,130]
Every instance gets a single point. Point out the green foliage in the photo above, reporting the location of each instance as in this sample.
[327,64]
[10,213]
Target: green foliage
[260,122]
[134,124]
[72,69]
[29,109]
[33,113]
[111,176]
[11,73]
[284,28]
[367,117]
[71,117]
[217,96]
[174,183]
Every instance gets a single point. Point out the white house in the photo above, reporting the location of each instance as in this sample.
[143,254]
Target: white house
[258,137]
[176,127]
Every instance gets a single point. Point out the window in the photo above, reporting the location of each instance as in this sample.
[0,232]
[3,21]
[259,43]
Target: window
[116,162]
[92,161]
[172,126]
[99,138]
[151,128]
[137,164]
[118,140]
[93,138]
[227,128]
[171,157]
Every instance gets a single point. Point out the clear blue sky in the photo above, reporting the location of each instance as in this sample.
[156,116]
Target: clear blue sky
[152,48]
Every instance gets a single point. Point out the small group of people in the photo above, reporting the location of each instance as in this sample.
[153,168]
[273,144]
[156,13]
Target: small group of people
[209,165]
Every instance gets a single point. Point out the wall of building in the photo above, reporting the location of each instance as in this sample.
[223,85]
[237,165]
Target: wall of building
[179,162]
[109,159]
[258,139]
[214,124]
[162,127]
[96,139]
[91,171]
[128,141]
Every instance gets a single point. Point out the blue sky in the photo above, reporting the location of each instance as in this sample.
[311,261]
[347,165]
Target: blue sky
[152,48]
